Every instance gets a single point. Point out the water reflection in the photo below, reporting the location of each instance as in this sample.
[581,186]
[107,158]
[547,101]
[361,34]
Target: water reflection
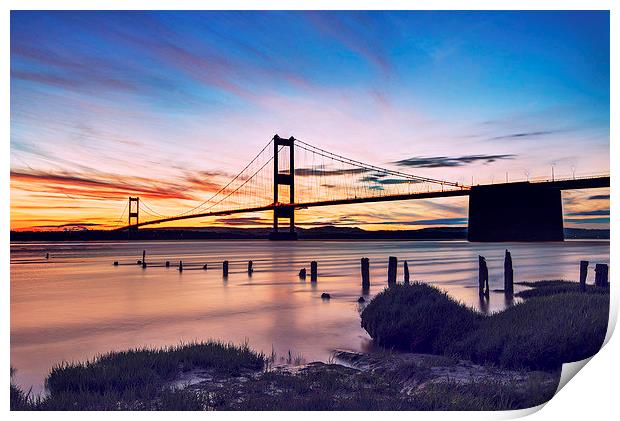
[78,304]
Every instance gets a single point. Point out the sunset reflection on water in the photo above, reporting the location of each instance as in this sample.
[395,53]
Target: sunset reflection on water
[78,304]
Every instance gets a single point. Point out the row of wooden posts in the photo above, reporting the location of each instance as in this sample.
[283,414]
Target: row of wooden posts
[601,278]
[601,273]
[365,268]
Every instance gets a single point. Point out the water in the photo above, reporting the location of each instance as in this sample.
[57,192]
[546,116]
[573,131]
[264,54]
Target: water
[78,304]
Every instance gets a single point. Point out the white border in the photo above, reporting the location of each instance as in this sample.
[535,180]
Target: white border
[590,396]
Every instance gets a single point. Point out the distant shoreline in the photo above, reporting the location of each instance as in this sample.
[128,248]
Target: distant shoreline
[319,233]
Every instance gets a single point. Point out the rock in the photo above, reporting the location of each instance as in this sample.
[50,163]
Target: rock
[361,300]
[326,296]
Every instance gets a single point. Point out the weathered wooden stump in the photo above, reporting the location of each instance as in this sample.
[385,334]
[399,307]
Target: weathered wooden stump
[302,273]
[508,275]
[47,255]
[392,269]
[365,273]
[250,267]
[225,268]
[180,265]
[583,274]
[483,277]
[143,264]
[167,263]
[406,278]
[313,271]
[601,277]
[204,267]
[115,263]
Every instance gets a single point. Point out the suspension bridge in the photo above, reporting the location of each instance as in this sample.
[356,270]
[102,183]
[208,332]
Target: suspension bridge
[290,174]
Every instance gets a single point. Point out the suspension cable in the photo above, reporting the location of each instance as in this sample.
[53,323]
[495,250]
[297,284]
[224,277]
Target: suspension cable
[350,161]
[229,183]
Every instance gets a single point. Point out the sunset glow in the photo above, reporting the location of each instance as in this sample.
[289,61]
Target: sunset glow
[169,106]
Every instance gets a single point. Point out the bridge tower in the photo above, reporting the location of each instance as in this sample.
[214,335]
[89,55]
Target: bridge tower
[134,210]
[284,177]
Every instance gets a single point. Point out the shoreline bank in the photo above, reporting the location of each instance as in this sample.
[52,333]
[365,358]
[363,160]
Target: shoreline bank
[212,375]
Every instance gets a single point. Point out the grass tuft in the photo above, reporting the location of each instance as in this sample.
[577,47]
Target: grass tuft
[553,326]
[128,379]
[417,318]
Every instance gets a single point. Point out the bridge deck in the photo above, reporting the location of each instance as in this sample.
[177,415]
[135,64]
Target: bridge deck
[565,184]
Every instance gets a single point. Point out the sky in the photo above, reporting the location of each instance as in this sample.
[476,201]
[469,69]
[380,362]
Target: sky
[168,106]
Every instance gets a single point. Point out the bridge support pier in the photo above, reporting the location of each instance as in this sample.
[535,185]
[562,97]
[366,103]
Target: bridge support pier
[285,177]
[515,212]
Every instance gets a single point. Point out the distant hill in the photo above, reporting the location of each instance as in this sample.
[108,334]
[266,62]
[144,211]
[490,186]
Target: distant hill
[586,234]
[325,232]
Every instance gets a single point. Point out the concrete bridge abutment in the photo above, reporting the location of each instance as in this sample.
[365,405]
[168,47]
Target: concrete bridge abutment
[515,212]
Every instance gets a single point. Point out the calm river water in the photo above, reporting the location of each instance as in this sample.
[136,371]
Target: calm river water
[77,304]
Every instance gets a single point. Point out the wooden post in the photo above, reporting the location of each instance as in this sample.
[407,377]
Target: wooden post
[392,269]
[406,279]
[250,268]
[115,263]
[365,273]
[508,275]
[313,271]
[601,278]
[143,256]
[204,267]
[144,264]
[583,274]
[180,265]
[47,255]
[483,277]
[225,268]
[167,263]
[302,273]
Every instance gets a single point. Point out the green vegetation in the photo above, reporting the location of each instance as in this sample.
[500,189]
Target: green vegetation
[554,325]
[417,317]
[136,379]
[547,288]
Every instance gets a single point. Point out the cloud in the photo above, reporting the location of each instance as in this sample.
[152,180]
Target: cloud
[354,34]
[84,73]
[591,213]
[349,221]
[321,171]
[599,197]
[438,221]
[522,135]
[396,181]
[69,224]
[587,220]
[97,186]
[243,220]
[445,161]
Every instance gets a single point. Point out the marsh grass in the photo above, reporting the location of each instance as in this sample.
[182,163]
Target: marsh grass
[540,333]
[547,288]
[554,325]
[134,378]
[417,317]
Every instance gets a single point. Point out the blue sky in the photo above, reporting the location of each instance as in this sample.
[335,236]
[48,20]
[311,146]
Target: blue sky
[105,100]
